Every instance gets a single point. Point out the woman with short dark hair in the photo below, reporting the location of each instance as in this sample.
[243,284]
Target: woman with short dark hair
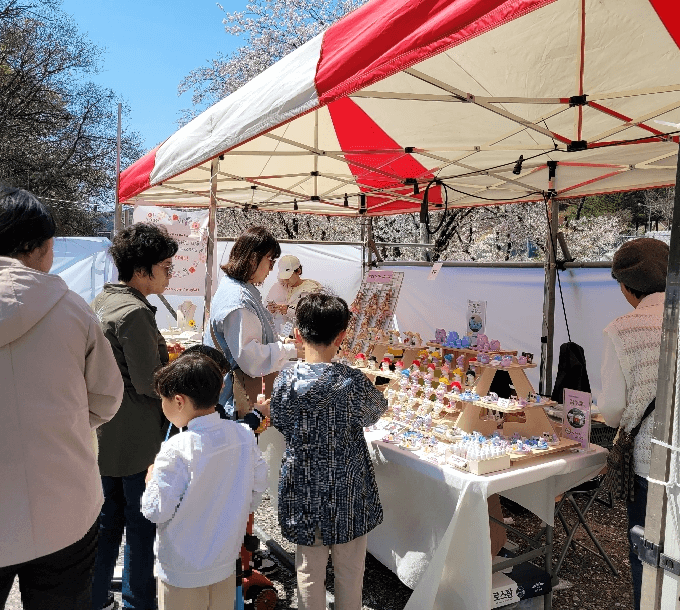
[239,322]
[59,381]
[128,444]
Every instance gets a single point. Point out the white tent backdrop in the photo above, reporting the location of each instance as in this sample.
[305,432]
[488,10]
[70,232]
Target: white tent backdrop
[514,311]
[514,296]
[338,267]
[84,264]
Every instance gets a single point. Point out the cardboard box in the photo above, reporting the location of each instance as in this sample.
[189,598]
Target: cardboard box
[523,582]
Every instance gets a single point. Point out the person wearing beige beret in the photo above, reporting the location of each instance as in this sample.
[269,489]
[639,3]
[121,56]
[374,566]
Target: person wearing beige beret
[630,363]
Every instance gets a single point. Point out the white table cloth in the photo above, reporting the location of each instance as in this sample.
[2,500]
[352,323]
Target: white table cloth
[435,534]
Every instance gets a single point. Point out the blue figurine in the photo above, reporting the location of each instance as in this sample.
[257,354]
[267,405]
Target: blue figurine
[465,342]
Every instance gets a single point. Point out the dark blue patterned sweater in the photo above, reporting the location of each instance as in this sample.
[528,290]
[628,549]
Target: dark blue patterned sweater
[327,479]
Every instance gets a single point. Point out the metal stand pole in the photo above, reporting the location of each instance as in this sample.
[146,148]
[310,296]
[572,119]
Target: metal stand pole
[212,235]
[425,239]
[548,333]
[118,210]
[664,414]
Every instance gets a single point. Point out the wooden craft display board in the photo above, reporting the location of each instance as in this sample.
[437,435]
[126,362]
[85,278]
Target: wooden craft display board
[528,420]
[362,320]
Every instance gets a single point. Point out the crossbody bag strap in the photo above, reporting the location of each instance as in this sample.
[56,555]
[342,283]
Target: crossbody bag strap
[649,409]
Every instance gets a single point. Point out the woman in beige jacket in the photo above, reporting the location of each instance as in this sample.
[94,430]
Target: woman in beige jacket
[59,381]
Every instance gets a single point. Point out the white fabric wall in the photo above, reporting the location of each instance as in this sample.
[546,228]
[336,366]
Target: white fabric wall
[514,308]
[514,296]
[84,264]
[336,267]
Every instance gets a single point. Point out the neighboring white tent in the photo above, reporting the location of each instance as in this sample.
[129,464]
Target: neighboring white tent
[84,264]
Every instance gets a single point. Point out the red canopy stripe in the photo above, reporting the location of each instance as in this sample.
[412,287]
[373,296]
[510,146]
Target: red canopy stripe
[670,16]
[135,178]
[355,130]
[382,38]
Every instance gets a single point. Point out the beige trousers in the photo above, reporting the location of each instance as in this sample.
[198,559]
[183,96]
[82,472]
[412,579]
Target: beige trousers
[348,560]
[219,596]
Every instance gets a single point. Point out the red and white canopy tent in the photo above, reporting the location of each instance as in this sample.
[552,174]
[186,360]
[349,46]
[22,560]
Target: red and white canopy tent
[398,93]
[403,92]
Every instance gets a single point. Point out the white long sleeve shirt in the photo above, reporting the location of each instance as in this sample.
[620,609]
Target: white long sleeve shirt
[612,401]
[205,483]
[243,334]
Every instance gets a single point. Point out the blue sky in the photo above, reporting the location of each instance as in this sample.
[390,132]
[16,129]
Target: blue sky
[149,46]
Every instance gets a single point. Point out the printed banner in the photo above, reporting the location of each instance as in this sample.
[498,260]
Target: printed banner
[576,417]
[190,229]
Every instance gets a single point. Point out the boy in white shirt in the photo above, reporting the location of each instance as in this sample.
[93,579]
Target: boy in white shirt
[200,490]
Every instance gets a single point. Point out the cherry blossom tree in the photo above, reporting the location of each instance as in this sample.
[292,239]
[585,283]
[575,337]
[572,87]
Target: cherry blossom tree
[270,30]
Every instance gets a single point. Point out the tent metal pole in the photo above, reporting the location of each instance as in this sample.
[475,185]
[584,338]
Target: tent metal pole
[664,414]
[424,241]
[548,332]
[363,246]
[212,238]
[118,210]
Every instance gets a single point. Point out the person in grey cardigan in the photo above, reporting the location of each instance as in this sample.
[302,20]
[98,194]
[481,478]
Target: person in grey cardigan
[128,444]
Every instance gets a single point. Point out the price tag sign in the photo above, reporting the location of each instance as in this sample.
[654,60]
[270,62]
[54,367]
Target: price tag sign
[379,277]
[576,417]
[504,403]
[434,271]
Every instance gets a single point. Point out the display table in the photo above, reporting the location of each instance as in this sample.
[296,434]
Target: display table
[435,534]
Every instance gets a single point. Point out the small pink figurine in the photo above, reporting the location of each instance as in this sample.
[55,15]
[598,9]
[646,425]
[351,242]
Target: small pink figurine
[460,361]
[398,366]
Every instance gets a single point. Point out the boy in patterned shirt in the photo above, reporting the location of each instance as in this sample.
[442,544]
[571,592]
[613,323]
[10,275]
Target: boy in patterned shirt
[328,497]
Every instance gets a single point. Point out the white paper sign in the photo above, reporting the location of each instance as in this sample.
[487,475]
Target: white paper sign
[504,403]
[190,229]
[434,271]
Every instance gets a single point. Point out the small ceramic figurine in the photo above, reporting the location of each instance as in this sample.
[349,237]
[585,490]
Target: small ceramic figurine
[398,366]
[521,359]
[494,345]
[465,342]
[360,360]
[445,368]
[385,365]
[417,340]
[373,363]
[456,387]
[506,360]
[470,377]
[452,338]
[484,358]
[439,336]
[460,362]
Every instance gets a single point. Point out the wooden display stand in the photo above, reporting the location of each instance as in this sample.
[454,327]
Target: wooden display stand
[534,423]
[406,353]
[468,352]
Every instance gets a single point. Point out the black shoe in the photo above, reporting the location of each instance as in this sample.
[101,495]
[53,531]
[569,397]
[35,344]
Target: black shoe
[111,604]
[264,564]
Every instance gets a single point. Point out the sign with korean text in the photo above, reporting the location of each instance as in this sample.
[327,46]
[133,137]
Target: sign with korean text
[190,229]
[576,417]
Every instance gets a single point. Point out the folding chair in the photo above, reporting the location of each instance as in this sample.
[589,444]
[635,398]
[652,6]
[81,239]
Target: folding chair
[590,493]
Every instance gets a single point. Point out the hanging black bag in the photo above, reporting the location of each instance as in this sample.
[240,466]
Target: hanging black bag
[620,476]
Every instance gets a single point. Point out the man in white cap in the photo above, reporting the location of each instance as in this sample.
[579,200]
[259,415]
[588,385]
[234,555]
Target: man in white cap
[284,296]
